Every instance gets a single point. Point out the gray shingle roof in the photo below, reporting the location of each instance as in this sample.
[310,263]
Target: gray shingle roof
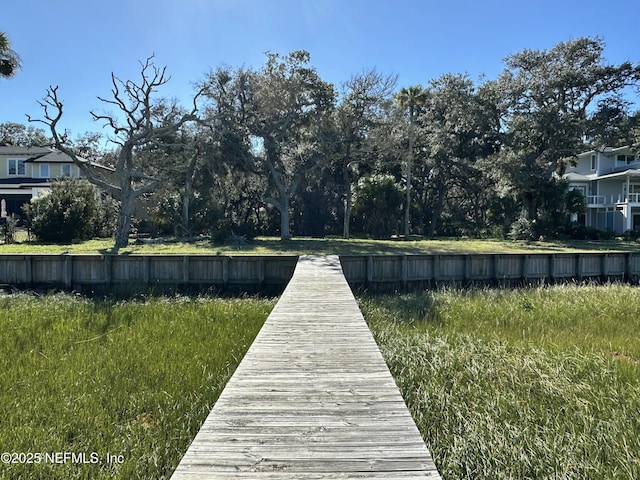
[36,154]
[24,151]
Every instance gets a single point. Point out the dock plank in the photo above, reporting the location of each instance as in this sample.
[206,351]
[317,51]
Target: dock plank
[312,399]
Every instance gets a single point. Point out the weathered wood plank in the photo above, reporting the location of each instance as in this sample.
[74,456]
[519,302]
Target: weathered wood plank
[77,271]
[312,399]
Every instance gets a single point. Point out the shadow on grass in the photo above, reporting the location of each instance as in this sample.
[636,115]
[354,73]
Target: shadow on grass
[338,246]
[327,246]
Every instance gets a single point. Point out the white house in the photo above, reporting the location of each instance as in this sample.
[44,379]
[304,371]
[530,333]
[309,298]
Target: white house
[610,181]
[26,172]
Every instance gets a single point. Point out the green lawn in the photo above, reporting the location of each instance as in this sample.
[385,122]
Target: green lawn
[298,246]
[528,383]
[130,379]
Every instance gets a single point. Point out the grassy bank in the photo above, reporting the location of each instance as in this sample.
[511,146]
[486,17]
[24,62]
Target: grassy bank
[337,246]
[541,383]
[530,383]
[131,379]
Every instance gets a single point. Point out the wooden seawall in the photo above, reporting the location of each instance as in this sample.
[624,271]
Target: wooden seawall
[312,399]
[252,272]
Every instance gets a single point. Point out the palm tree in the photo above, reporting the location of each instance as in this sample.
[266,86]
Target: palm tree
[410,98]
[9,60]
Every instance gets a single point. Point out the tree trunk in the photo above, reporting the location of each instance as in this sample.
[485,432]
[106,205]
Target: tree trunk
[188,187]
[124,220]
[285,232]
[506,223]
[346,228]
[407,208]
[529,207]
[186,229]
[441,192]
[437,212]
[282,205]
[347,202]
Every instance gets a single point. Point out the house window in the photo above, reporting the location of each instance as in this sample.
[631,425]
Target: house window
[627,159]
[66,170]
[594,162]
[44,171]
[16,167]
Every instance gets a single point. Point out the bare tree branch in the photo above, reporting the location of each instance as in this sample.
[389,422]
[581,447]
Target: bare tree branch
[146,123]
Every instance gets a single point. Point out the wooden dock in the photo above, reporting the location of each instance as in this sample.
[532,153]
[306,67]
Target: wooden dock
[312,399]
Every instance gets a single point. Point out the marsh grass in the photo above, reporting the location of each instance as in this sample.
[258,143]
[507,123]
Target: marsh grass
[134,378]
[530,383]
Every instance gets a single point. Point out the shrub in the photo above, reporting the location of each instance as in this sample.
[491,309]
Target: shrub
[164,213]
[631,235]
[72,211]
[8,228]
[522,229]
[377,205]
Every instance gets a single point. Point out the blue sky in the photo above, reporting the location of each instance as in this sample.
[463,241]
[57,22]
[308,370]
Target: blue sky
[76,44]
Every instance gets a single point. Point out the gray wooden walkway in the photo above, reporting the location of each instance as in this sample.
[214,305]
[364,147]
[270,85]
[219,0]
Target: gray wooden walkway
[312,399]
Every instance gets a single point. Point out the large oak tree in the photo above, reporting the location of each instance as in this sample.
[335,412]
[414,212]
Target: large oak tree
[547,97]
[360,111]
[289,109]
[141,120]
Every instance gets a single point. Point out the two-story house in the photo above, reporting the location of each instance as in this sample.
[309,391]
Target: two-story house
[610,182]
[26,173]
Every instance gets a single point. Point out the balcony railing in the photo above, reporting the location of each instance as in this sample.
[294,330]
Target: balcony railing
[613,199]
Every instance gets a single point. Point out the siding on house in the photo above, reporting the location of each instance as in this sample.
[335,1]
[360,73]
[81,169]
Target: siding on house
[26,173]
[610,180]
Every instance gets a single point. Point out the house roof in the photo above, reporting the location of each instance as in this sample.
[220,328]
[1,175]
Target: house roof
[629,172]
[576,177]
[44,155]
[606,151]
[23,181]
[35,154]
[51,157]
[24,151]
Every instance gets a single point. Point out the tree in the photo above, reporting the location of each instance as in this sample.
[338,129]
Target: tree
[9,60]
[457,127]
[612,124]
[230,181]
[286,107]
[360,110]
[546,99]
[19,135]
[146,122]
[410,99]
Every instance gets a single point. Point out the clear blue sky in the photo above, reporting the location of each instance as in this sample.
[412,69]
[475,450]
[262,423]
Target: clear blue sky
[76,44]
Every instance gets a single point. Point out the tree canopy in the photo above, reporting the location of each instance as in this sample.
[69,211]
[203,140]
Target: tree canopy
[9,60]
[279,150]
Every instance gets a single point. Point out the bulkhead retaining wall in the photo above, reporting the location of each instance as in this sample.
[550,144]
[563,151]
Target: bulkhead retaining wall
[83,272]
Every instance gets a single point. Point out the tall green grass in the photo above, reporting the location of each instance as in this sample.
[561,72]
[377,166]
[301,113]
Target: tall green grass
[130,379]
[532,383]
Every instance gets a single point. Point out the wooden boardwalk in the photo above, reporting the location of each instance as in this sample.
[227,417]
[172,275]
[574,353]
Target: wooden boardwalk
[312,399]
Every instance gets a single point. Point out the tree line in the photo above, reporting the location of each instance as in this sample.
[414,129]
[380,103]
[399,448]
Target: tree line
[277,150]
